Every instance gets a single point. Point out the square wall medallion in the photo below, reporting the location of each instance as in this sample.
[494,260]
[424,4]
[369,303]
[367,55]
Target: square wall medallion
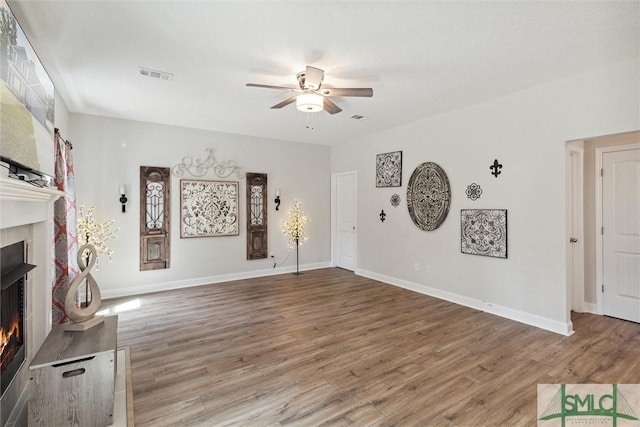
[208,208]
[389,169]
[484,232]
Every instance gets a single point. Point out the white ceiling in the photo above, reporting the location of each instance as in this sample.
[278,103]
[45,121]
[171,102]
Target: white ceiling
[420,58]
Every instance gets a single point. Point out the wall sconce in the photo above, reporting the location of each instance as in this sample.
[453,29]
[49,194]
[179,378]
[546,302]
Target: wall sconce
[123,197]
[277,200]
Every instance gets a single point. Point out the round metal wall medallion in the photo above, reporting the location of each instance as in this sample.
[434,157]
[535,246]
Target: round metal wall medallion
[474,191]
[428,196]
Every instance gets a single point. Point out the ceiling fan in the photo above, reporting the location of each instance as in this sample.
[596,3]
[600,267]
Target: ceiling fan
[311,96]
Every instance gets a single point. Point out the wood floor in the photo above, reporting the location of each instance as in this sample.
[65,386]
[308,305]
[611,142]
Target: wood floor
[332,348]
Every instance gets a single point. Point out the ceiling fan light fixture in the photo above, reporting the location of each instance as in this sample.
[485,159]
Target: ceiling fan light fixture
[310,102]
[311,98]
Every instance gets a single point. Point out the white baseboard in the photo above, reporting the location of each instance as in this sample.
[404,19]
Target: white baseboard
[199,281]
[506,312]
[590,307]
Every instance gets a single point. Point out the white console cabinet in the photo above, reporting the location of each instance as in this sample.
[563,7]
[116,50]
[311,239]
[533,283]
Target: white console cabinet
[73,377]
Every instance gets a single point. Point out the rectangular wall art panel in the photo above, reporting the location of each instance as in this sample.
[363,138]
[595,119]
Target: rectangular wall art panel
[484,232]
[389,169]
[208,208]
[27,100]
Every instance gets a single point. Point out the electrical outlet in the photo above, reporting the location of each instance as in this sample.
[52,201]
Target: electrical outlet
[416,266]
[427,269]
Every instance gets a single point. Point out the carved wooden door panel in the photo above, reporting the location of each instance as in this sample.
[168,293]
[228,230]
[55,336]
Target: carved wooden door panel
[155,183]
[257,238]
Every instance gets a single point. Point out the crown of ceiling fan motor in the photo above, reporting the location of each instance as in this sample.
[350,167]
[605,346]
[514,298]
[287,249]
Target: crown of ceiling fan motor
[310,79]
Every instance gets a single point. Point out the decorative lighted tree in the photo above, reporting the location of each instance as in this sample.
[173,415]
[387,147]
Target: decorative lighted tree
[95,233]
[293,228]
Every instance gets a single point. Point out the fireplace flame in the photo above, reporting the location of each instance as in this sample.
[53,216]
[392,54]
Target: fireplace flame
[5,339]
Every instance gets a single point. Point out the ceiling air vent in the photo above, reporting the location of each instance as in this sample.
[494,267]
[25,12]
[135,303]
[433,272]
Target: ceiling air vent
[155,74]
[358,117]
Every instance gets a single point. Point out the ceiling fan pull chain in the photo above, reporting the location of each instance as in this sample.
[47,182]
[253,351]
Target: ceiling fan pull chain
[309,121]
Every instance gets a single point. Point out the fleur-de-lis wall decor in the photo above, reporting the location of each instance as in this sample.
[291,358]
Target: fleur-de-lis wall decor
[495,168]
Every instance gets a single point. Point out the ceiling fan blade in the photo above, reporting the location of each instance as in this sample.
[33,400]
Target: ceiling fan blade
[273,87]
[313,77]
[285,102]
[345,91]
[331,107]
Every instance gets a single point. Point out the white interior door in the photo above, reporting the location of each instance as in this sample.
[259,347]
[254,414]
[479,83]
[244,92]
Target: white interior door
[345,197]
[621,233]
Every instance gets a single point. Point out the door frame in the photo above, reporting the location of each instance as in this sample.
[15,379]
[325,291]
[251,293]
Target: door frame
[599,240]
[575,221]
[334,216]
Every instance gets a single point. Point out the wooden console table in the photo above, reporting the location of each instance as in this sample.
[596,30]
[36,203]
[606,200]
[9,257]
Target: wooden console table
[73,377]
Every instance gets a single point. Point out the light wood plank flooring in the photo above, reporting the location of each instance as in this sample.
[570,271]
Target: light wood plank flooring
[332,348]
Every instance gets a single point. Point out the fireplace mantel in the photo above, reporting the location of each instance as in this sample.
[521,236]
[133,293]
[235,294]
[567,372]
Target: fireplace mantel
[15,189]
[23,203]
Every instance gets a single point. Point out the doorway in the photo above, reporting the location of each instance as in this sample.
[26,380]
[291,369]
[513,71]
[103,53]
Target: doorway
[575,227]
[584,220]
[343,220]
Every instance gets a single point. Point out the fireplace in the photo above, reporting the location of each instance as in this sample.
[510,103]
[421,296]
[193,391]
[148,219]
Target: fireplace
[26,214]
[13,268]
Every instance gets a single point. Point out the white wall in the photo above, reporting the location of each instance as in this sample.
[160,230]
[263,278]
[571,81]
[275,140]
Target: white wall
[526,132]
[109,152]
[61,116]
